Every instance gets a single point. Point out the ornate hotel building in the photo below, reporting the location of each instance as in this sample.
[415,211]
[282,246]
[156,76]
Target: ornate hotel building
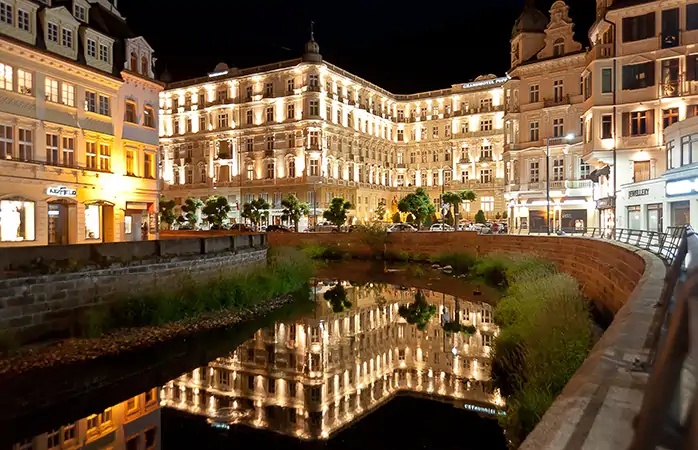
[78,125]
[131,425]
[544,104]
[309,128]
[313,377]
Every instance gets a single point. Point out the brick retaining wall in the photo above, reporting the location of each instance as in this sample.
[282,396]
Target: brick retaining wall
[608,273]
[35,306]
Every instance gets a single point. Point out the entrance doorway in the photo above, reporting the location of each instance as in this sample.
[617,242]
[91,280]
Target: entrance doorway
[59,223]
[136,221]
[99,221]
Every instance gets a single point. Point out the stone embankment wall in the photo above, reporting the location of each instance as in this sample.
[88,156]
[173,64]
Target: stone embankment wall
[597,406]
[44,289]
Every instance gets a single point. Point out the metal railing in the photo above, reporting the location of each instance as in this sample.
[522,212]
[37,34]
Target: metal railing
[661,420]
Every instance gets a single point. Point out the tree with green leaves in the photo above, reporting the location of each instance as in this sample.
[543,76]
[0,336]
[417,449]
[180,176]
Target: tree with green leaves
[190,211]
[480,217]
[255,210]
[167,214]
[337,299]
[452,199]
[294,210]
[216,211]
[418,204]
[380,210]
[498,216]
[419,312]
[396,218]
[337,212]
[505,215]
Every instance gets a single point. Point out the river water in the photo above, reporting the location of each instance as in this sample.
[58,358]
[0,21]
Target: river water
[349,373]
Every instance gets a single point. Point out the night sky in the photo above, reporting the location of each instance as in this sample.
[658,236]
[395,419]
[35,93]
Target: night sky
[402,47]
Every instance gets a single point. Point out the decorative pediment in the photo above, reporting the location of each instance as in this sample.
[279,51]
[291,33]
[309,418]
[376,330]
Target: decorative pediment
[61,13]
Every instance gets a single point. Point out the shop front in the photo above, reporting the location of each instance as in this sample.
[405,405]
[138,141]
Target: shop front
[640,206]
[140,221]
[682,196]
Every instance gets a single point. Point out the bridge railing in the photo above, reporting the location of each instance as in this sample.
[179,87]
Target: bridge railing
[668,417]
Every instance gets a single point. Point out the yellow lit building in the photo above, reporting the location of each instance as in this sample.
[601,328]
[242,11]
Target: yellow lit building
[313,377]
[132,424]
[78,125]
[309,128]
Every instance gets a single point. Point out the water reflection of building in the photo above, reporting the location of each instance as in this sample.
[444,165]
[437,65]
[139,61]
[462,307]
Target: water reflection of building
[133,424]
[312,377]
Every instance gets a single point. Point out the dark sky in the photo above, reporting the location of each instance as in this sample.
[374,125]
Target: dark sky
[404,47]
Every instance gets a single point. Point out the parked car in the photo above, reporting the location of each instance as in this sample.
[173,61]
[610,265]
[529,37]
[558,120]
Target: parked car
[441,227]
[401,228]
[241,227]
[277,229]
[325,226]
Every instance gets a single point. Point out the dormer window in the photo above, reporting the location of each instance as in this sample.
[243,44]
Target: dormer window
[144,65]
[80,13]
[133,64]
[91,48]
[67,37]
[52,32]
[103,53]
[23,20]
[6,15]
[559,47]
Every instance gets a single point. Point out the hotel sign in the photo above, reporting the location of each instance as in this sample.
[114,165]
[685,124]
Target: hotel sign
[638,193]
[681,187]
[485,82]
[61,191]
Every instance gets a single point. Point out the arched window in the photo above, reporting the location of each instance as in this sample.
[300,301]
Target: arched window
[202,173]
[144,65]
[133,65]
[291,168]
[559,47]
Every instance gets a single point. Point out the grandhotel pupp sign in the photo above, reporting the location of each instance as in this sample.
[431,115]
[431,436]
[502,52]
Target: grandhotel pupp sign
[61,191]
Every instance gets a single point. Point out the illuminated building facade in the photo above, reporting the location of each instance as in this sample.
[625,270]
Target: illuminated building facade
[133,424]
[78,125]
[309,128]
[313,377]
[641,70]
[544,104]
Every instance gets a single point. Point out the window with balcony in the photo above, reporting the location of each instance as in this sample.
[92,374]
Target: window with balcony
[290,85]
[26,145]
[534,93]
[558,91]
[485,175]
[248,93]
[606,126]
[534,131]
[313,80]
[670,116]
[584,170]
[558,127]
[639,27]
[534,172]
[641,171]
[638,76]
[558,169]
[268,89]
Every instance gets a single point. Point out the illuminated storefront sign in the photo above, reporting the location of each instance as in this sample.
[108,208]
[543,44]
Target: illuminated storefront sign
[61,191]
[485,82]
[682,187]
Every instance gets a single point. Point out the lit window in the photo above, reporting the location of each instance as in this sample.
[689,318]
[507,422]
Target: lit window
[91,155]
[148,117]
[558,169]
[68,97]
[314,168]
[202,122]
[149,166]
[103,53]
[6,141]
[93,221]
[67,37]
[130,162]
[486,125]
[248,117]
[25,82]
[487,203]
[314,108]
[17,222]
[290,111]
[534,93]
[223,120]
[270,170]
[52,30]
[51,90]
[270,114]
[486,176]
[23,20]
[54,440]
[558,127]
[90,101]
[91,48]
[534,131]
[5,77]
[104,157]
[534,173]
[6,14]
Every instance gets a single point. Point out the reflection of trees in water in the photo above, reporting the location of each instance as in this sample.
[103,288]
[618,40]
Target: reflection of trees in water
[337,299]
[419,312]
[375,290]
[455,327]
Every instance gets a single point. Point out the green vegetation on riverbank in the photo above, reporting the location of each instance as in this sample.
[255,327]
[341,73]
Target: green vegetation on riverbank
[545,335]
[286,271]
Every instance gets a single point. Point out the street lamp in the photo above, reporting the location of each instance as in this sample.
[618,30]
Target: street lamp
[567,138]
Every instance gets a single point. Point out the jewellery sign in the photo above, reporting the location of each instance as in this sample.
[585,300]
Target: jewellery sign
[61,191]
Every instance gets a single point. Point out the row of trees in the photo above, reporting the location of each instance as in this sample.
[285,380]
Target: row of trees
[214,211]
